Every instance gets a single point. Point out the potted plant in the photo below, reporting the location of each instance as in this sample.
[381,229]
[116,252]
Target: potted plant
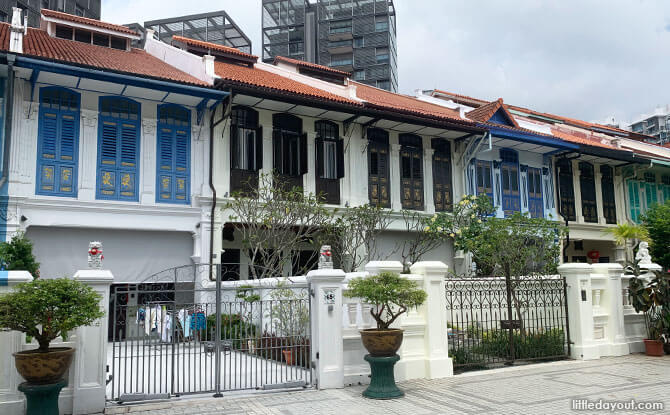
[624,234]
[45,309]
[290,320]
[391,295]
[652,297]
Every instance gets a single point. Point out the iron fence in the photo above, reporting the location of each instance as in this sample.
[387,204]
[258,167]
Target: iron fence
[176,334]
[496,321]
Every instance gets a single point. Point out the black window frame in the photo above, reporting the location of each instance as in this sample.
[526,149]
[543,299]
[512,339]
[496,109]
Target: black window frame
[411,172]
[244,176]
[379,174]
[443,194]
[289,149]
[608,196]
[566,188]
[587,187]
[328,182]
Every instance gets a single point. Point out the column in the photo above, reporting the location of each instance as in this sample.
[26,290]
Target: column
[327,340]
[309,179]
[376,267]
[91,355]
[88,140]
[597,176]
[438,364]
[428,185]
[11,400]
[580,310]
[148,165]
[394,182]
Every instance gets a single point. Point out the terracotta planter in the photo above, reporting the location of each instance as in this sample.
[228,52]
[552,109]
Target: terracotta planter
[38,367]
[288,356]
[653,347]
[382,343]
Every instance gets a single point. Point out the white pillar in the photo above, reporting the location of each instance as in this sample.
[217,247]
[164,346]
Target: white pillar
[428,180]
[437,361]
[376,267]
[327,340]
[11,400]
[580,310]
[616,336]
[91,354]
[395,180]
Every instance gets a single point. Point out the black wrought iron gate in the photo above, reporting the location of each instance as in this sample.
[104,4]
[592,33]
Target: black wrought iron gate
[494,321]
[164,340]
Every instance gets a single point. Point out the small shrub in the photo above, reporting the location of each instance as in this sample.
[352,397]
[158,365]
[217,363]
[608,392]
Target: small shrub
[17,255]
[233,328]
[527,346]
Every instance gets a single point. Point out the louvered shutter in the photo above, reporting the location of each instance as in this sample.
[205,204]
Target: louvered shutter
[277,151]
[129,134]
[319,157]
[182,163]
[259,149]
[68,138]
[165,163]
[234,147]
[107,174]
[340,159]
[108,143]
[303,154]
[49,135]
[634,201]
[651,194]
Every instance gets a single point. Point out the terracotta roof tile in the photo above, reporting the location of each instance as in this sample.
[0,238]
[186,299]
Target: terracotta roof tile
[383,99]
[459,97]
[259,78]
[580,137]
[486,111]
[309,65]
[86,21]
[213,46]
[136,61]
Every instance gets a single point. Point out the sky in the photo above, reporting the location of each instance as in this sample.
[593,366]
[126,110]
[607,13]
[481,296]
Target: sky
[586,59]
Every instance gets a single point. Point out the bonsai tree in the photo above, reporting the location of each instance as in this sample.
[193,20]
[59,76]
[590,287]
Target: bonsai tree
[653,299]
[17,255]
[48,308]
[391,294]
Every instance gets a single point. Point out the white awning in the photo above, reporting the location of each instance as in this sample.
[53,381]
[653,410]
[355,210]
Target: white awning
[132,256]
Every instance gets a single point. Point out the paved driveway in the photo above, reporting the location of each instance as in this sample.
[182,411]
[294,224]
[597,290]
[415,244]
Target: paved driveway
[547,388]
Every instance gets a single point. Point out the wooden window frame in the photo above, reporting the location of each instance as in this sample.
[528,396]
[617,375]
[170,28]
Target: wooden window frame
[328,188]
[379,174]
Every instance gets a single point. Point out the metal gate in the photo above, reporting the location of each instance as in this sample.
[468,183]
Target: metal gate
[495,321]
[176,334]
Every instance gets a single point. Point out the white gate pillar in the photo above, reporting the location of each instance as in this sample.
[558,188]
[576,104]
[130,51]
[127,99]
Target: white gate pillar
[580,310]
[91,350]
[617,334]
[438,363]
[326,321]
[11,400]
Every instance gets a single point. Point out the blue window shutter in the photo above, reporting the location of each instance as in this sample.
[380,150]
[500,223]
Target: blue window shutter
[174,155]
[118,149]
[58,139]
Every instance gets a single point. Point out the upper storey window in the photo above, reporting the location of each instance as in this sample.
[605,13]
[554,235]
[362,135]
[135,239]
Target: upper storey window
[566,189]
[509,170]
[289,146]
[378,167]
[58,142]
[246,149]
[607,185]
[442,187]
[411,171]
[118,149]
[329,161]
[87,36]
[587,186]
[174,154]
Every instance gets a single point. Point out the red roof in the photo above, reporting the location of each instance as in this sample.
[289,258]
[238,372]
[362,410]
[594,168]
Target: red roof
[383,99]
[39,44]
[86,21]
[258,78]
[581,137]
[213,46]
[309,65]
[486,111]
[459,97]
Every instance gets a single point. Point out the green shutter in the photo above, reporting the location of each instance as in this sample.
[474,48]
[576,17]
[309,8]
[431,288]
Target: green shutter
[634,200]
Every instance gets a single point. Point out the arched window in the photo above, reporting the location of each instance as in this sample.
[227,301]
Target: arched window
[566,189]
[411,171]
[329,161]
[378,167]
[587,185]
[442,187]
[607,185]
[58,142]
[509,171]
[118,149]
[173,175]
[246,149]
[289,145]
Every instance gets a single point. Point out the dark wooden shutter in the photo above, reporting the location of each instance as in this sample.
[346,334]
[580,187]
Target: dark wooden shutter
[277,151]
[259,149]
[234,143]
[319,158]
[303,154]
[340,159]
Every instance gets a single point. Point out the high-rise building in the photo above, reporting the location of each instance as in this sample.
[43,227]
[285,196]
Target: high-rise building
[215,27]
[656,124]
[355,36]
[83,8]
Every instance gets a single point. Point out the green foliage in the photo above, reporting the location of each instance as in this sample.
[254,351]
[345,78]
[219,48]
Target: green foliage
[463,356]
[17,255]
[391,294]
[653,299]
[465,221]
[526,345]
[289,312]
[247,294]
[47,309]
[233,328]
[624,232]
[657,222]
